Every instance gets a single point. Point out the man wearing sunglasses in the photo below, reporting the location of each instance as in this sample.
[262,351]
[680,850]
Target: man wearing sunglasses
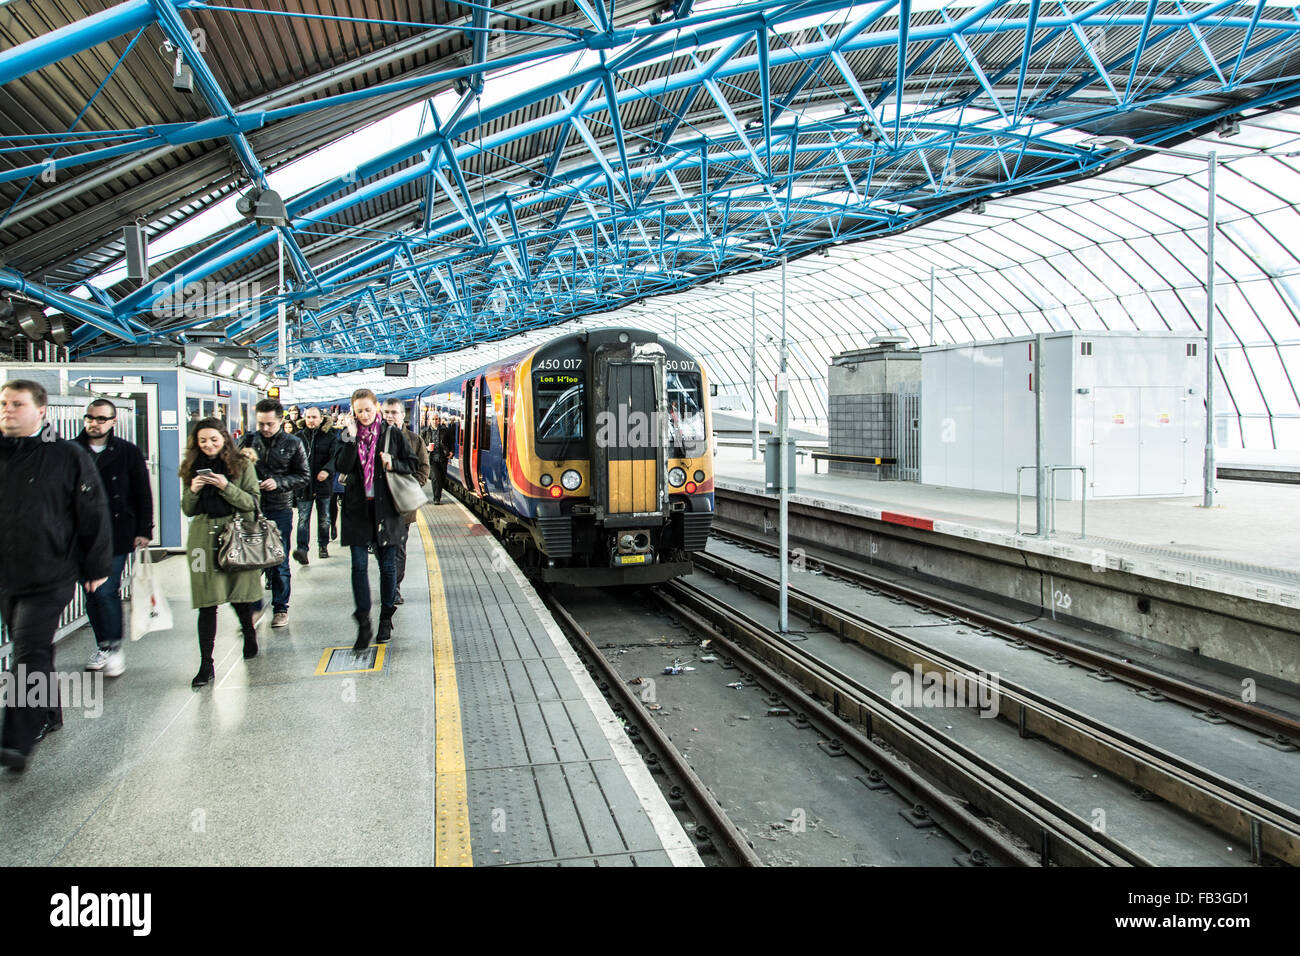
[125,475]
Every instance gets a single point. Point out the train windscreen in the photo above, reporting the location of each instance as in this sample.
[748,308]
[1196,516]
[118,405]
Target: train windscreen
[686,437]
[558,406]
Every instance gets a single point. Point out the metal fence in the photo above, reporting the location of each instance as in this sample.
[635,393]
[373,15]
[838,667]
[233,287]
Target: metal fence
[66,412]
[907,436]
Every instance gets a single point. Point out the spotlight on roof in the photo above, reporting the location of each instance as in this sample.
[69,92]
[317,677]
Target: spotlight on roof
[1227,126]
[824,251]
[753,124]
[868,132]
[977,207]
[537,181]
[461,86]
[666,12]
[182,75]
[263,205]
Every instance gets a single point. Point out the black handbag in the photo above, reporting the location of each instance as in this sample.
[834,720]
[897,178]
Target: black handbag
[249,544]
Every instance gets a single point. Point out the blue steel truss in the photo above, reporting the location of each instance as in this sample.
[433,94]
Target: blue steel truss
[683,149]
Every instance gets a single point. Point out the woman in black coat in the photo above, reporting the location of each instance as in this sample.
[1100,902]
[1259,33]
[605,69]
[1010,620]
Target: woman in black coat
[367,450]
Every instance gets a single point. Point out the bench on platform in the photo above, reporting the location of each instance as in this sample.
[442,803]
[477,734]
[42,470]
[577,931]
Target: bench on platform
[818,456]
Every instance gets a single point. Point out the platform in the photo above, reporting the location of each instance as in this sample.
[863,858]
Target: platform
[475,737]
[1252,534]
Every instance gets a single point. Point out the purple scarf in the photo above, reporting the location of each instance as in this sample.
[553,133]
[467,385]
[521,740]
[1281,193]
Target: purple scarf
[367,439]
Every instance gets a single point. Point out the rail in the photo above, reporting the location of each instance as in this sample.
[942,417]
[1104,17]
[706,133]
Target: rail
[1051,523]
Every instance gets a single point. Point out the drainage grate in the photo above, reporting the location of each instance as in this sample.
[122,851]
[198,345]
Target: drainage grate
[342,660]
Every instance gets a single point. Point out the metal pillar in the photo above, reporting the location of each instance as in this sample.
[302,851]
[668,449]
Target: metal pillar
[1211,228]
[753,367]
[782,430]
[931,305]
[281,316]
[1040,493]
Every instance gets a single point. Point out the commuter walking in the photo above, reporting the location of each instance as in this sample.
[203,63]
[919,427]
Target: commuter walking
[282,472]
[395,415]
[439,447]
[219,482]
[54,532]
[321,444]
[125,475]
[369,516]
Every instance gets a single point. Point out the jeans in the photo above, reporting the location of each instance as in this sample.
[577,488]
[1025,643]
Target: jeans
[279,574]
[322,522]
[104,608]
[387,556]
[32,621]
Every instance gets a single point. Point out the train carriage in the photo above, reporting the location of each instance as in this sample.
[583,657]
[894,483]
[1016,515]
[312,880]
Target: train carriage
[590,455]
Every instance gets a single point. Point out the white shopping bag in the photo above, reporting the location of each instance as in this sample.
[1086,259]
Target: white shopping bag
[149,608]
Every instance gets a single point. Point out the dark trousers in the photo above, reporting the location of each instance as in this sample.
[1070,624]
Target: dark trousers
[401,556]
[32,620]
[387,557]
[322,503]
[279,574]
[437,476]
[104,608]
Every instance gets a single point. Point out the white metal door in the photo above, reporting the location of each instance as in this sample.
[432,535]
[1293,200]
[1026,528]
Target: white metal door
[1116,446]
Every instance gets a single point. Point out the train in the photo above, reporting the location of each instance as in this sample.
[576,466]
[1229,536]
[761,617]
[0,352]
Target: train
[590,455]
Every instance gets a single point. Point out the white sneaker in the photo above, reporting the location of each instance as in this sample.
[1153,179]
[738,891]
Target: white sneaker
[98,660]
[116,664]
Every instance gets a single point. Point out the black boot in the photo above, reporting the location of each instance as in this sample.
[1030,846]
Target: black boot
[206,669]
[385,625]
[363,631]
[250,644]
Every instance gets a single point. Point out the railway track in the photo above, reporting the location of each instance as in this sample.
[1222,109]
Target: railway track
[1269,827]
[997,819]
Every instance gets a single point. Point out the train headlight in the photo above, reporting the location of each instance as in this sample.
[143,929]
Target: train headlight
[699,475]
[676,477]
[546,481]
[571,480]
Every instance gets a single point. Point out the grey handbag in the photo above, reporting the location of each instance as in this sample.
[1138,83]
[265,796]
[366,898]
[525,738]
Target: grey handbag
[249,544]
[407,493]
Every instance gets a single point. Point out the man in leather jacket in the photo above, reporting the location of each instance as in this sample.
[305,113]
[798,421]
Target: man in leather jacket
[321,443]
[282,472]
[55,530]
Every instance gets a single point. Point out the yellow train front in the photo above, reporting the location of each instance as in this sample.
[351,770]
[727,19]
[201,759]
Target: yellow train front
[590,455]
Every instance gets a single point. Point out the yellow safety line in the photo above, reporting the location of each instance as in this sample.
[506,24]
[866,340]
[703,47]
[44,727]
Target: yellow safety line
[450,793]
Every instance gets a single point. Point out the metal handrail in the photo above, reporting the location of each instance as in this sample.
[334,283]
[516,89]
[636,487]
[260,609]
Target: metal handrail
[1019,472]
[1051,524]
[1083,511]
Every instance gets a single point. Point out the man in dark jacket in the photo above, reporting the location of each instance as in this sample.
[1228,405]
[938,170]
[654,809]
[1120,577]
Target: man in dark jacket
[282,473]
[321,444]
[437,438]
[125,475]
[395,415]
[54,532]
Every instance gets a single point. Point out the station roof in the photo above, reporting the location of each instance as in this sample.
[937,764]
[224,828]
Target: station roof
[458,174]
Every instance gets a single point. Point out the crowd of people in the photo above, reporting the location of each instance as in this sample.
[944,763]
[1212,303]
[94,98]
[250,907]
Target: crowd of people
[74,510]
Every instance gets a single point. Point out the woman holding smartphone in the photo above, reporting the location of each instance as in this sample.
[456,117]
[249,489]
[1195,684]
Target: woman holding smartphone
[219,482]
[370,518]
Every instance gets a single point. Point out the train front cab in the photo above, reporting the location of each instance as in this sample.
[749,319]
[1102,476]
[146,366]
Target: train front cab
[620,438]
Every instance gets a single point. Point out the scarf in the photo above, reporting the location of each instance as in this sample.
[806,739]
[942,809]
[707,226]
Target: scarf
[367,441]
[211,502]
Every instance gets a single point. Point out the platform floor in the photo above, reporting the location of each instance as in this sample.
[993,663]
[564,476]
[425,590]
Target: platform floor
[479,740]
[1254,529]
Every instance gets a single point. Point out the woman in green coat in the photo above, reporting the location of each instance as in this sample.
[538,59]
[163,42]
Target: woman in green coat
[218,483]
